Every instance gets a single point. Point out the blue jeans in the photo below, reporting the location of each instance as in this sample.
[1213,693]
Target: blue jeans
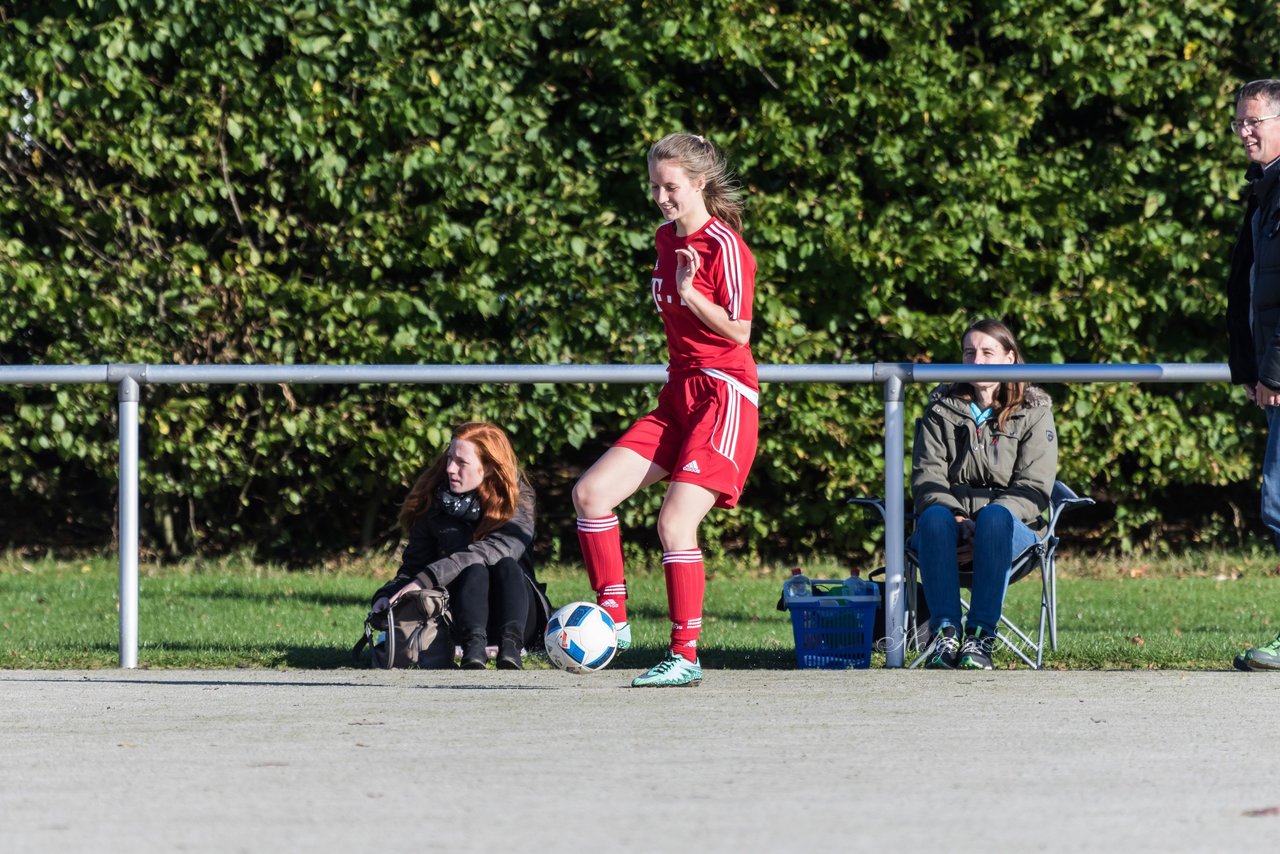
[1271,475]
[997,539]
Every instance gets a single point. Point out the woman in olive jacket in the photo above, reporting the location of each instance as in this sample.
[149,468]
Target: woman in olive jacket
[983,466]
[469,518]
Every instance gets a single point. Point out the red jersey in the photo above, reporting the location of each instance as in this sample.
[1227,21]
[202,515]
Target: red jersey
[727,277]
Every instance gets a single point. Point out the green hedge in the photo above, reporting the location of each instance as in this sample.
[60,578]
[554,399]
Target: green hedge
[386,181]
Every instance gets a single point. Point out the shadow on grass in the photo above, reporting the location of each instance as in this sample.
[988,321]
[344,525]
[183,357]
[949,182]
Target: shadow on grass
[746,614]
[198,655]
[319,657]
[644,611]
[330,600]
[643,656]
[752,659]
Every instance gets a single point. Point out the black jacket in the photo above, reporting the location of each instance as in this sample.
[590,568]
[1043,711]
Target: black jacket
[1253,321]
[440,545]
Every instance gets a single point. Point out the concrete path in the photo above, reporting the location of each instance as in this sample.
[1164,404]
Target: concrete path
[876,760]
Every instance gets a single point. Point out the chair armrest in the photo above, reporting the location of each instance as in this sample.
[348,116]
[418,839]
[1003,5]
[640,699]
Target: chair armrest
[877,503]
[1072,503]
[1062,505]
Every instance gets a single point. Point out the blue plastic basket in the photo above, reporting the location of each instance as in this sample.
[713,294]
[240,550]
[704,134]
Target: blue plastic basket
[833,632]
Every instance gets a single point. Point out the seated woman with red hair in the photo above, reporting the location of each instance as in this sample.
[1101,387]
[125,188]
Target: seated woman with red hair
[469,518]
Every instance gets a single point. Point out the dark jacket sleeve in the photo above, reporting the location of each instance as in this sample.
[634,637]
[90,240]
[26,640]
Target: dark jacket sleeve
[1269,370]
[1241,356]
[509,540]
[421,549]
[931,467]
[389,589]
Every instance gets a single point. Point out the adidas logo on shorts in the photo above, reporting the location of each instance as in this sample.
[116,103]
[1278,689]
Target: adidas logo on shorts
[692,467]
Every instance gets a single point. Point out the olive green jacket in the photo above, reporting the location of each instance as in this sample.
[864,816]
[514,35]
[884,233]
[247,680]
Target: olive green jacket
[955,464]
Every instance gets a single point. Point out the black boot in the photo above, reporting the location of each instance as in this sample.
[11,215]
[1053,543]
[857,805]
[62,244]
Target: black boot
[473,653]
[509,649]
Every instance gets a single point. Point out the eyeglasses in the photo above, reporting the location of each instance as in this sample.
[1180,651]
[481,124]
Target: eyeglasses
[1251,122]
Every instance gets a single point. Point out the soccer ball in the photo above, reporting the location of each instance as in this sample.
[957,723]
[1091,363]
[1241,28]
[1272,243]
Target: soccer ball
[581,638]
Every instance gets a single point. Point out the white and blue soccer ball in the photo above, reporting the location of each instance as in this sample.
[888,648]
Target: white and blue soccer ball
[581,638]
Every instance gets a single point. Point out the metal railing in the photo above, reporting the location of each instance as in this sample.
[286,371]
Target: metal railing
[894,376]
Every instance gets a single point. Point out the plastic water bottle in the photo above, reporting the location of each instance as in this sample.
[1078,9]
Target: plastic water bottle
[855,585]
[797,585]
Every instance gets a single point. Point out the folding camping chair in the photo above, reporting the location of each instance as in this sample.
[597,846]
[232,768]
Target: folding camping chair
[1041,555]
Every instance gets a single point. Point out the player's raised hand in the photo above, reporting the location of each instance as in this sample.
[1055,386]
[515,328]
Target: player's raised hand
[687,263]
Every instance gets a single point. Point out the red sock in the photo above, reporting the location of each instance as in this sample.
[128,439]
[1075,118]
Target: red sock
[601,544]
[686,583]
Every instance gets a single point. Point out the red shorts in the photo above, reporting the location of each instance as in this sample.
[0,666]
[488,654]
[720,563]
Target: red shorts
[703,431]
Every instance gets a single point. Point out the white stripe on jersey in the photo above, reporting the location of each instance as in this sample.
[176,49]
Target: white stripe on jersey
[732,254]
[736,384]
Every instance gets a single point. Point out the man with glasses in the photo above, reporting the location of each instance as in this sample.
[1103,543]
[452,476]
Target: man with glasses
[1253,300]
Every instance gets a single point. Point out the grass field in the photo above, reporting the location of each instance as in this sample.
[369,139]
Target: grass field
[1192,612]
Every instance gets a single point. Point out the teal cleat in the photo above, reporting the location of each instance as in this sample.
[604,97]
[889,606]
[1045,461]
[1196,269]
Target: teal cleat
[1264,657]
[624,636]
[674,671]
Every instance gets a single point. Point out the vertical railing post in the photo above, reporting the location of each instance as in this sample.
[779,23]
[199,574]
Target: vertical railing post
[894,518]
[128,522]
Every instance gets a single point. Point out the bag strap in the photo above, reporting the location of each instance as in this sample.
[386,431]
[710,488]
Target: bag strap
[390,656]
[365,640]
